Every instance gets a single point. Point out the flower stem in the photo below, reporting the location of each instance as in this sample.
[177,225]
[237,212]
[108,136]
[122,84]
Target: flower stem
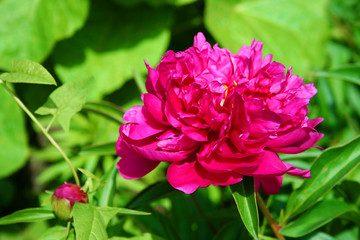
[47,135]
[274,226]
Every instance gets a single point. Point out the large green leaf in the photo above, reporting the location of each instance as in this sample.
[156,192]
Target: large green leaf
[114,42]
[13,144]
[26,71]
[317,216]
[30,28]
[27,215]
[90,222]
[293,31]
[328,169]
[67,100]
[348,73]
[244,196]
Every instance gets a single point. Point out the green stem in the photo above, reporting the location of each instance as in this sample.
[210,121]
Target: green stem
[47,135]
[50,123]
[274,226]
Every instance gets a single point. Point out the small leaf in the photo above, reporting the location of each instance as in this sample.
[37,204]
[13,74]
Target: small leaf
[90,222]
[244,196]
[328,169]
[67,100]
[347,73]
[317,216]
[26,71]
[28,215]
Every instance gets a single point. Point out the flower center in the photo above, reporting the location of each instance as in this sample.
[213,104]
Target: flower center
[227,90]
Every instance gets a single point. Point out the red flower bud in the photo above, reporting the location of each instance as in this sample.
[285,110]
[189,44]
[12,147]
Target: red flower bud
[64,198]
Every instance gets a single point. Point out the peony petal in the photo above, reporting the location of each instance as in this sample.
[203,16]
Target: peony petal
[269,185]
[156,107]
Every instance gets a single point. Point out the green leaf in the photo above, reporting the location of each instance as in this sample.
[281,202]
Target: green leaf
[99,149]
[90,222]
[26,71]
[57,233]
[280,24]
[33,27]
[328,169]
[152,193]
[13,150]
[244,196]
[347,73]
[231,231]
[108,191]
[108,48]
[67,100]
[317,216]
[106,109]
[28,215]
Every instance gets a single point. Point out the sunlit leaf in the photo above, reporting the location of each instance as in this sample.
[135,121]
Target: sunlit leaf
[347,73]
[67,100]
[328,169]
[26,71]
[244,196]
[27,215]
[31,28]
[108,191]
[317,216]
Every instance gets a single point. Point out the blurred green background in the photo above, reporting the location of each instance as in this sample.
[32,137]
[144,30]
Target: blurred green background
[109,41]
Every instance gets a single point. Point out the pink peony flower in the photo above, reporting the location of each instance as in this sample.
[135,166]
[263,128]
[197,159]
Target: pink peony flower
[216,117]
[64,198]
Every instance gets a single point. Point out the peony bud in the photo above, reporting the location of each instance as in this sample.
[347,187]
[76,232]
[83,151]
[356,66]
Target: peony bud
[64,198]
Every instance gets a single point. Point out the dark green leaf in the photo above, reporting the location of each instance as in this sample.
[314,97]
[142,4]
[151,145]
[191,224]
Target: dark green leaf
[347,73]
[26,71]
[13,150]
[28,215]
[280,25]
[33,27]
[244,196]
[233,231]
[67,100]
[317,216]
[328,169]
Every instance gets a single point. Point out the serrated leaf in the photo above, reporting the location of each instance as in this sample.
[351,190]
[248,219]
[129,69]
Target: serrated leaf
[68,99]
[28,215]
[348,73]
[33,27]
[234,23]
[26,71]
[328,169]
[244,196]
[108,48]
[90,222]
[13,137]
[317,216]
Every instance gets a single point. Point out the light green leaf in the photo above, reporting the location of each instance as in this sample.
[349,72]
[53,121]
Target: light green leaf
[108,191]
[13,150]
[108,48]
[280,24]
[106,109]
[28,215]
[67,100]
[99,149]
[328,169]
[244,196]
[317,216]
[347,73]
[90,222]
[32,27]
[26,71]
[57,233]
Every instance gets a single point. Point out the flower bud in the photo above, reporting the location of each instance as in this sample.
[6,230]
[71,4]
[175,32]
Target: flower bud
[64,198]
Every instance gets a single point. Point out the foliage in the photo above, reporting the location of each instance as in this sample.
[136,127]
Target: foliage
[70,69]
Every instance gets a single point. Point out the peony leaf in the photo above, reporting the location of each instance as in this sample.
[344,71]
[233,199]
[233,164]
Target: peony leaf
[322,213]
[27,215]
[232,230]
[108,48]
[235,23]
[328,169]
[33,27]
[108,191]
[90,222]
[57,232]
[26,71]
[67,100]
[105,109]
[244,196]
[347,73]
[13,150]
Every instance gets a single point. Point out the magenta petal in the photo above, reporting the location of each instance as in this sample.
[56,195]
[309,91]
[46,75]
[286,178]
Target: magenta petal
[293,171]
[131,165]
[269,185]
